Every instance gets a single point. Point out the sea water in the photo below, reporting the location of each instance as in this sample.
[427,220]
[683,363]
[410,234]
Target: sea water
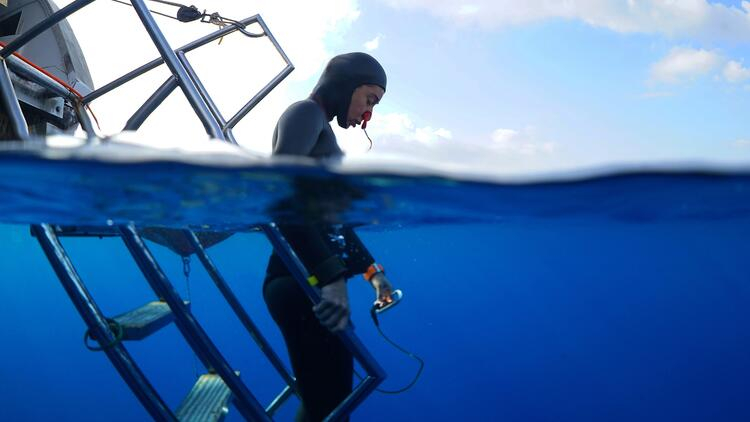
[622,296]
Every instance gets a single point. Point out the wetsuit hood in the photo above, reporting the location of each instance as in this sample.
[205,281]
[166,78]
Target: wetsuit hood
[343,74]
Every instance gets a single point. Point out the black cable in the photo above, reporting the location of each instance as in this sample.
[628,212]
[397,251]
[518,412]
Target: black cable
[187,14]
[402,350]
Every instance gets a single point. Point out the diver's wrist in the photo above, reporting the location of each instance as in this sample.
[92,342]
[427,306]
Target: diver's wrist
[373,270]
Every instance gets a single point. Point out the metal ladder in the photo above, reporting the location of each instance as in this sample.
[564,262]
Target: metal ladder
[211,395]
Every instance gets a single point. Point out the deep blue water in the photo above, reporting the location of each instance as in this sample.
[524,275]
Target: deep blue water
[617,298]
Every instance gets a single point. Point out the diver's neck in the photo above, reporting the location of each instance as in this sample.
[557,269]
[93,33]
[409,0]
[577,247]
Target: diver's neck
[319,102]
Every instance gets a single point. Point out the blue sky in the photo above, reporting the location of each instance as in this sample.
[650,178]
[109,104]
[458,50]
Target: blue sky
[595,94]
[512,86]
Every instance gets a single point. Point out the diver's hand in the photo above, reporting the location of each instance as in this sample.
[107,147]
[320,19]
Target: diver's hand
[333,309]
[383,289]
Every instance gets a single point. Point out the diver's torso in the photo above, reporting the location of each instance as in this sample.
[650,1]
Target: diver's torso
[293,131]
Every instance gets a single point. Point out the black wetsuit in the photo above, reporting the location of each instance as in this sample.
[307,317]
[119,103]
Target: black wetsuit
[322,365]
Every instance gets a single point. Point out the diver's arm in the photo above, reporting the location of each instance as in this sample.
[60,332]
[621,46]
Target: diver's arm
[359,260]
[298,129]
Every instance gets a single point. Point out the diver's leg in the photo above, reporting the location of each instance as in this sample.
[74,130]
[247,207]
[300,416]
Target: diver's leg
[320,361]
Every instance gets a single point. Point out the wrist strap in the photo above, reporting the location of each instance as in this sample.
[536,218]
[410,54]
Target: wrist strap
[372,270]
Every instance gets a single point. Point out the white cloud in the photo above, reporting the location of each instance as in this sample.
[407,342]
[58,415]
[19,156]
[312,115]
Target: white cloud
[504,150]
[396,126]
[734,72]
[742,143]
[468,9]
[679,18]
[524,143]
[373,44]
[683,64]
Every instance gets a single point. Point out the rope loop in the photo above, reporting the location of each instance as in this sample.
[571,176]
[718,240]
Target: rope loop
[116,329]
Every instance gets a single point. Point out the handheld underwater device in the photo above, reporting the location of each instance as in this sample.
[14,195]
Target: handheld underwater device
[396,297]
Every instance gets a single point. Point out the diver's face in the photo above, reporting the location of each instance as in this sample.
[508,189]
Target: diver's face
[364,99]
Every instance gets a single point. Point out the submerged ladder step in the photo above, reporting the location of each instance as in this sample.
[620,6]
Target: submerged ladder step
[208,401]
[146,320]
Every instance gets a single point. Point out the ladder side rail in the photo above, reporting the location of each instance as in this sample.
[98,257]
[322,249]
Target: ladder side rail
[239,310]
[151,104]
[201,89]
[42,26]
[11,105]
[170,58]
[375,372]
[98,325]
[191,330]
[271,85]
[354,399]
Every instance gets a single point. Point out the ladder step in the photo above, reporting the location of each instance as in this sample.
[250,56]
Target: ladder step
[208,401]
[146,320]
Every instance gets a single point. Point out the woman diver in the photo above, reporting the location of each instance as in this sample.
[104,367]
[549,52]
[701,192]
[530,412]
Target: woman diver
[349,88]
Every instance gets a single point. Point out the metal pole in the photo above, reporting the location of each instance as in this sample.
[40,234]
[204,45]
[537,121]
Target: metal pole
[230,136]
[279,400]
[202,90]
[350,340]
[270,86]
[11,105]
[275,43]
[85,121]
[22,69]
[98,324]
[170,58]
[258,97]
[199,341]
[42,26]
[154,101]
[159,61]
[153,64]
[238,309]
[357,396]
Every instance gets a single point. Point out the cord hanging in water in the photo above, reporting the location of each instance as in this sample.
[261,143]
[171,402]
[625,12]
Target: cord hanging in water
[374,315]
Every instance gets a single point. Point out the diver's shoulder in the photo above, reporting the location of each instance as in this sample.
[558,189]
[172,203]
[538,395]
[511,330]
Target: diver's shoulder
[306,107]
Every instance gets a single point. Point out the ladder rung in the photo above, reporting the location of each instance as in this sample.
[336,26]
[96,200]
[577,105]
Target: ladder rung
[146,320]
[208,401]
[279,400]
